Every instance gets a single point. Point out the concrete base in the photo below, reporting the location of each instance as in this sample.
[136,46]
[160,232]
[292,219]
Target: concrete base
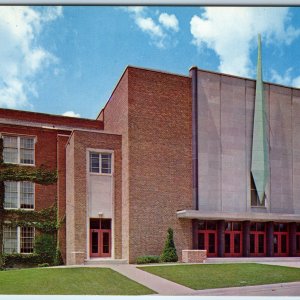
[194,256]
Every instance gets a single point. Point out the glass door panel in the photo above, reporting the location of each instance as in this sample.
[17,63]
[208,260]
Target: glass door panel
[237,243]
[211,243]
[261,243]
[283,243]
[201,244]
[227,243]
[252,243]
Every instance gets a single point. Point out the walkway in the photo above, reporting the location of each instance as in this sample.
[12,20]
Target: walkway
[160,285]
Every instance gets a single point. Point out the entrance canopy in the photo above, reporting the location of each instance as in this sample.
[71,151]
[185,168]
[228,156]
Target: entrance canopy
[257,217]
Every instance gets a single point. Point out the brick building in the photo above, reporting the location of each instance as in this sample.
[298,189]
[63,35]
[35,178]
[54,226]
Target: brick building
[214,156]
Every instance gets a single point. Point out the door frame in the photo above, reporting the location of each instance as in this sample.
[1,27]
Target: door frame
[256,241]
[279,236]
[231,234]
[206,241]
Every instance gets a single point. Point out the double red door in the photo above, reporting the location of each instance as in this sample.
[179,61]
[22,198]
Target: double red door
[233,243]
[207,239]
[257,243]
[100,242]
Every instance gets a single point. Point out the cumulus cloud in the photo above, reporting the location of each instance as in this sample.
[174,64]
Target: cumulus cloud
[157,32]
[71,113]
[169,21]
[232,32]
[20,55]
[286,78]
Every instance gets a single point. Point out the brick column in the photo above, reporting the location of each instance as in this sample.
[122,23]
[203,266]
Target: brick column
[270,239]
[246,238]
[195,234]
[292,239]
[221,237]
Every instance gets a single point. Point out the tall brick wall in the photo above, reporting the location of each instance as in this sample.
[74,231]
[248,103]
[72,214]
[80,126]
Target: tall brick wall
[160,160]
[77,191]
[115,115]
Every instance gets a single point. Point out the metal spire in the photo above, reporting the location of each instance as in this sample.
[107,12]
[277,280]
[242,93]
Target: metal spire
[260,151]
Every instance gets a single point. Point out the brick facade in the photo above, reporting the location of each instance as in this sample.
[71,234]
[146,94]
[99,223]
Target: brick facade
[76,191]
[155,123]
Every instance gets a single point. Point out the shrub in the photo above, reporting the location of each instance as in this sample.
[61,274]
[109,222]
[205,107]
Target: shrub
[20,260]
[169,253]
[148,259]
[45,248]
[44,265]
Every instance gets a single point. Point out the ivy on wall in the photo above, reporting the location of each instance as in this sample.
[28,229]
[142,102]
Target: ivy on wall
[45,221]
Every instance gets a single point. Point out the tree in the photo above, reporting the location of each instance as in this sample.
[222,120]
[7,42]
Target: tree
[169,253]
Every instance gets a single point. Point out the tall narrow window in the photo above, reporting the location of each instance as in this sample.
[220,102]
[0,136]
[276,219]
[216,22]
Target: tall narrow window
[10,149]
[10,240]
[11,194]
[254,196]
[27,239]
[18,150]
[26,150]
[27,195]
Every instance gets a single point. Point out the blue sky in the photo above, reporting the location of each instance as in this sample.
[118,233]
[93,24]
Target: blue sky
[68,59]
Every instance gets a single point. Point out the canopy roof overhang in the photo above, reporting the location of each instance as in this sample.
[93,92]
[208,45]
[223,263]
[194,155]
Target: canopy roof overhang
[231,216]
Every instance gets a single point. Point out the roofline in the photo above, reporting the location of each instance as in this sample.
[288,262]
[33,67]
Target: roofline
[139,68]
[47,114]
[244,78]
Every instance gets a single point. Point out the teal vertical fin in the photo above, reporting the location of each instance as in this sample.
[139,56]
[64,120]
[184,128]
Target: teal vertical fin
[260,148]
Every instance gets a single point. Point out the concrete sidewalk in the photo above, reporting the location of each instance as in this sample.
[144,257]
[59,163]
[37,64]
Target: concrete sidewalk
[158,284]
[278,289]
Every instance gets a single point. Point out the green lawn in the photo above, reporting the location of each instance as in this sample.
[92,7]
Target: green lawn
[69,281]
[211,276]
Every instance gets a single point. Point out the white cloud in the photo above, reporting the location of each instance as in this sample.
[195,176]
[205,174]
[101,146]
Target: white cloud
[71,113]
[159,37]
[232,33]
[286,78]
[148,25]
[20,55]
[169,21]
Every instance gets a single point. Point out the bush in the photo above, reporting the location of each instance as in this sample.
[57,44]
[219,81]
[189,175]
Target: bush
[21,260]
[169,253]
[148,259]
[45,248]
[44,265]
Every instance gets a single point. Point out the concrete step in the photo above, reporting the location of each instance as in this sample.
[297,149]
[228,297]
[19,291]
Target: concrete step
[105,261]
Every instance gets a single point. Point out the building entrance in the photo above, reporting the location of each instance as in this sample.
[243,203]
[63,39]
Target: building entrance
[100,237]
[257,239]
[280,239]
[207,237]
[233,239]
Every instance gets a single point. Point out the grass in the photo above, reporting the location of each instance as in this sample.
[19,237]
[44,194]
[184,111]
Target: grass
[211,276]
[68,281]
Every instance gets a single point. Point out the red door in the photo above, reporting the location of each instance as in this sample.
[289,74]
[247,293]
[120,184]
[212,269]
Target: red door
[100,240]
[281,244]
[257,243]
[207,240]
[233,239]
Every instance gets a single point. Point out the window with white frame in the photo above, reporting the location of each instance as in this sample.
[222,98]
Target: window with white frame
[18,239]
[100,163]
[18,150]
[19,195]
